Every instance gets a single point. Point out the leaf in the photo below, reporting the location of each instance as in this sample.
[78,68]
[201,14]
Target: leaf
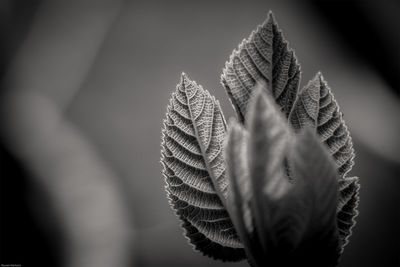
[239,195]
[313,166]
[316,107]
[287,210]
[284,199]
[292,222]
[316,191]
[347,208]
[263,57]
[194,170]
[268,140]
[347,187]
[238,173]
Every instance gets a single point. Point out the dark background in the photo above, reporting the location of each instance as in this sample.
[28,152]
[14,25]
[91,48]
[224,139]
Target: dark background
[84,89]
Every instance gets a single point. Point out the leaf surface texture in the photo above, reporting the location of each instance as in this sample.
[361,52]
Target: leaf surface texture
[274,188]
[194,170]
[263,57]
[317,108]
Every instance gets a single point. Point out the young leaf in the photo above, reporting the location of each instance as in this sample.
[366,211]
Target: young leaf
[289,199]
[268,140]
[263,57]
[194,170]
[316,191]
[316,107]
[239,194]
[238,173]
[292,223]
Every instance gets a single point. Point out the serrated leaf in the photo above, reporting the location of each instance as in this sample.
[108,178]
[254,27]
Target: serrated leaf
[316,107]
[348,208]
[347,187]
[289,201]
[263,57]
[194,170]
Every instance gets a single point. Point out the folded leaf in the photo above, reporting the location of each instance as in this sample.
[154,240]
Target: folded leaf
[268,142]
[239,194]
[263,57]
[316,107]
[238,173]
[313,201]
[292,221]
[194,170]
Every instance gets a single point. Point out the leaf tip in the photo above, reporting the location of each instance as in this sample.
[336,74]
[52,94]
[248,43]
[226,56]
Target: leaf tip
[314,85]
[271,17]
[184,78]
[259,100]
[319,77]
[187,85]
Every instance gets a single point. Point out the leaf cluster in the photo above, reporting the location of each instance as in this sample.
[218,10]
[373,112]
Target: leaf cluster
[273,186]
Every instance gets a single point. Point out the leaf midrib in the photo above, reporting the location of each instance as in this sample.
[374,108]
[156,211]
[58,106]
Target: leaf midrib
[203,149]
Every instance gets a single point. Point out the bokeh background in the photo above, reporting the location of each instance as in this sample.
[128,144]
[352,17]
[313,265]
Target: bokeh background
[84,89]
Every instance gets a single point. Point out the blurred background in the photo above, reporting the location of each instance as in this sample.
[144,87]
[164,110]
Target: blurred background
[84,88]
